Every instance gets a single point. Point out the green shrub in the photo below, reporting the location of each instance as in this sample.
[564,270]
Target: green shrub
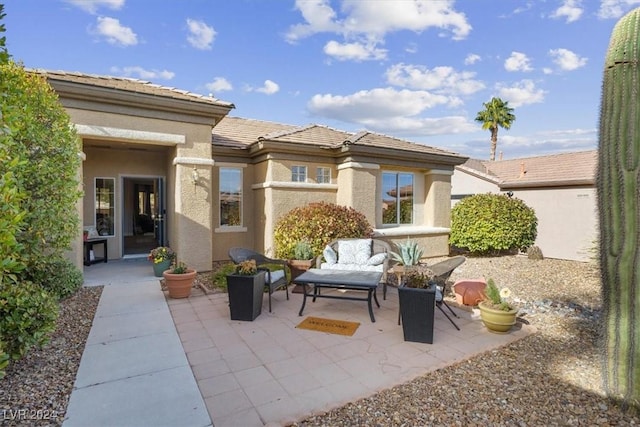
[318,224]
[58,276]
[4,360]
[220,276]
[492,223]
[28,315]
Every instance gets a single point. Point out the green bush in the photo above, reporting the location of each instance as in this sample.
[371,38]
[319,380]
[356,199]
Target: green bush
[58,276]
[492,223]
[28,315]
[4,360]
[318,224]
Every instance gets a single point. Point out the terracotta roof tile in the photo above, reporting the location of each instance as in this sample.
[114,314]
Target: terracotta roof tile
[129,85]
[238,132]
[564,168]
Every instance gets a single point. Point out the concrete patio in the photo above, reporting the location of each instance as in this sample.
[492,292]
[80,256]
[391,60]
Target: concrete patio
[238,373]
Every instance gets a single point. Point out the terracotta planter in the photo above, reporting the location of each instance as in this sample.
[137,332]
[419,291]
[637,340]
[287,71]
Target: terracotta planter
[179,285]
[498,321]
[297,267]
[469,291]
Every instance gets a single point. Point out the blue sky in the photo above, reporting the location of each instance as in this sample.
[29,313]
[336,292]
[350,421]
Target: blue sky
[414,69]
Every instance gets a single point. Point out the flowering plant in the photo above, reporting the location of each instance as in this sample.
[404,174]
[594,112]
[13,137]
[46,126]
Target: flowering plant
[247,267]
[496,297]
[162,253]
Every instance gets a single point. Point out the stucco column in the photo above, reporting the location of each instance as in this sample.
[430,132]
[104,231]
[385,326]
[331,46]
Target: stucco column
[76,252]
[437,206]
[357,188]
[192,215]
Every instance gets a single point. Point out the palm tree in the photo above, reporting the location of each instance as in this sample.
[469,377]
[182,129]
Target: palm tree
[496,113]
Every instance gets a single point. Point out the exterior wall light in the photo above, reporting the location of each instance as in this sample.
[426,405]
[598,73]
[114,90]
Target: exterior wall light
[195,176]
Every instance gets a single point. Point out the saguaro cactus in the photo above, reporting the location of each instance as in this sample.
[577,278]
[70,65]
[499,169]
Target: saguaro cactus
[618,183]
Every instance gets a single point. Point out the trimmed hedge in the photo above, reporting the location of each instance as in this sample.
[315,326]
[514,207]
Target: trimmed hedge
[487,224]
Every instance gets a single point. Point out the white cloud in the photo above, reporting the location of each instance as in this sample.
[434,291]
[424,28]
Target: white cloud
[518,61]
[521,93]
[567,60]
[421,126]
[269,88]
[570,9]
[219,84]
[374,104]
[369,21]
[92,6]
[201,35]
[114,32]
[615,8]
[139,72]
[354,51]
[471,59]
[443,80]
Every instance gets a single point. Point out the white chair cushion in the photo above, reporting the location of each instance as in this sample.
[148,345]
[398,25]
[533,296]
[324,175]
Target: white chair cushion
[354,251]
[275,276]
[377,259]
[330,255]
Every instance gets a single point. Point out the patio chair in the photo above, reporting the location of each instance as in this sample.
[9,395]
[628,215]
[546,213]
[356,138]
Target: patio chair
[441,272]
[273,279]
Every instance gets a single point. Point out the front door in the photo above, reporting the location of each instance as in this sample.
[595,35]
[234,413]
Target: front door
[144,212]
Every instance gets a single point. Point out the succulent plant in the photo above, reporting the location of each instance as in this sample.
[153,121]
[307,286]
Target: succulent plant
[619,210]
[409,253]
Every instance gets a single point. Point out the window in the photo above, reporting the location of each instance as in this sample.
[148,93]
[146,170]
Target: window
[105,206]
[323,175]
[299,173]
[230,197]
[397,198]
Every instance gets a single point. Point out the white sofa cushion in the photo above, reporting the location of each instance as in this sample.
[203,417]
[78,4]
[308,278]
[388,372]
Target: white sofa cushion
[377,259]
[354,251]
[330,255]
[352,267]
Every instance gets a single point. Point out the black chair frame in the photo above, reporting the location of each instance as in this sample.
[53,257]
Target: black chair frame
[237,255]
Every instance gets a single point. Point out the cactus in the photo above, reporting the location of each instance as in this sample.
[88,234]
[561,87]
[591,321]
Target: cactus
[618,181]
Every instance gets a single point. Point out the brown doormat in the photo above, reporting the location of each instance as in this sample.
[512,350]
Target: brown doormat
[331,326]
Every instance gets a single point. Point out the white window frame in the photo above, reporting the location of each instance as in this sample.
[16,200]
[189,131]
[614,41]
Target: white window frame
[397,223]
[298,173]
[322,173]
[241,196]
[112,206]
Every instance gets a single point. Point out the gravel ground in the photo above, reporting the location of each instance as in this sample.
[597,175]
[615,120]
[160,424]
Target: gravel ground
[550,378]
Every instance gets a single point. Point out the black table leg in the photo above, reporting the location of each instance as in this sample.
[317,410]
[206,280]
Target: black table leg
[304,299]
[373,319]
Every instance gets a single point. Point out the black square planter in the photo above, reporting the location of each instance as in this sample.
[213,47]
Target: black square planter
[245,295]
[416,308]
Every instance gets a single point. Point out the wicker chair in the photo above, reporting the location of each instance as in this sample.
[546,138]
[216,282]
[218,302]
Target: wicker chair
[273,279]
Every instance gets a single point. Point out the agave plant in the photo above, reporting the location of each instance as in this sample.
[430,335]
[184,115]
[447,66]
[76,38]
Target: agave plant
[409,253]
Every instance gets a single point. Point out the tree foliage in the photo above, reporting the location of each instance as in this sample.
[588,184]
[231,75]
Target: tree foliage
[492,223]
[496,114]
[42,162]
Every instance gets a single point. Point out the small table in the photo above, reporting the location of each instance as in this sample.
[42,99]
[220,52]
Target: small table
[88,247]
[340,279]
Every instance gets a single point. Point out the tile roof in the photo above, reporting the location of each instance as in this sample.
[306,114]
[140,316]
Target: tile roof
[556,169]
[129,85]
[237,131]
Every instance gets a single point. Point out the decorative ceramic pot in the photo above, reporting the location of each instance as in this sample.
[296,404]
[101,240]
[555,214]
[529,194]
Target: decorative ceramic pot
[179,285]
[498,321]
[160,267]
[297,267]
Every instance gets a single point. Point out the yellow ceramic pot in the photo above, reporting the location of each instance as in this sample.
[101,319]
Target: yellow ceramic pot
[498,321]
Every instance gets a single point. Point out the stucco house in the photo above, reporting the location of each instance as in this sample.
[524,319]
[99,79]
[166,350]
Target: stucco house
[168,167]
[560,188]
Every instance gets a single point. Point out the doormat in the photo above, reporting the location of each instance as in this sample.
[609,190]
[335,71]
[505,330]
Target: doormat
[332,326]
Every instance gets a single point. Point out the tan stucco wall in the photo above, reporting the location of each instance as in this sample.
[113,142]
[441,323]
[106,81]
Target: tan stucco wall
[358,185]
[437,205]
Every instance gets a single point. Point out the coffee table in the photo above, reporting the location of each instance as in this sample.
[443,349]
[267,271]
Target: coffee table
[339,279]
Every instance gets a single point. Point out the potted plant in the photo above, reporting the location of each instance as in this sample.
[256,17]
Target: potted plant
[417,297]
[162,257]
[245,288]
[495,312]
[303,259]
[179,280]
[407,257]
